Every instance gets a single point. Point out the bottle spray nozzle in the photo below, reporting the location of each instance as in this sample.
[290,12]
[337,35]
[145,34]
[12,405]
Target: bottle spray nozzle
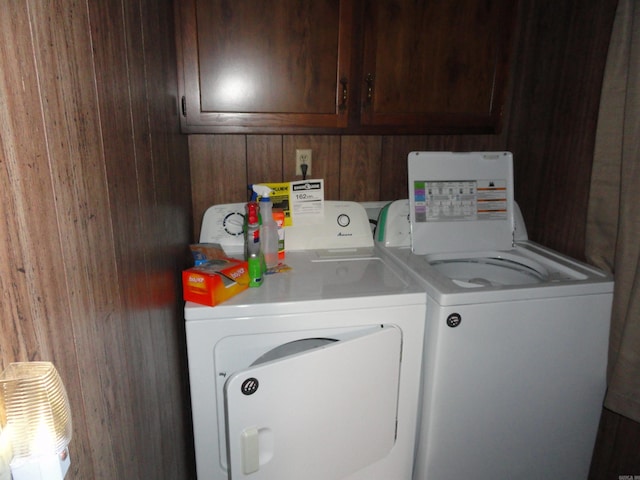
[262,190]
[254,195]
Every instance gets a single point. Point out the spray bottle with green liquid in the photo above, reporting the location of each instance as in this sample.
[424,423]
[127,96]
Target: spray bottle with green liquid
[268,227]
[252,244]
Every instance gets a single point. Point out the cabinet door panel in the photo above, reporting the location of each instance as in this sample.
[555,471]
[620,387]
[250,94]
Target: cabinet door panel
[436,62]
[253,67]
[263,64]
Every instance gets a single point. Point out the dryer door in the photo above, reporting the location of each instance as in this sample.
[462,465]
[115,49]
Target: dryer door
[319,414]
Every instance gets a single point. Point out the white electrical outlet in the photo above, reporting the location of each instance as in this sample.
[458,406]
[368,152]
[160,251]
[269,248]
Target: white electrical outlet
[303,156]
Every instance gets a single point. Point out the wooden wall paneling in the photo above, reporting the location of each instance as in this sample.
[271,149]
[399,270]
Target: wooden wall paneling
[169,230]
[558,76]
[467,143]
[144,333]
[151,314]
[605,447]
[360,161]
[121,164]
[159,332]
[354,167]
[394,176]
[617,450]
[79,208]
[84,217]
[170,151]
[325,160]
[37,245]
[537,61]
[218,172]
[24,194]
[563,207]
[264,159]
[149,291]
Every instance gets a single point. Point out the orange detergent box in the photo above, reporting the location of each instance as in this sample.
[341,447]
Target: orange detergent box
[215,281]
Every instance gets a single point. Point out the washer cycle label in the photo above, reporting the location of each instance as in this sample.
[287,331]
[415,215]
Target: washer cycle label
[460,200]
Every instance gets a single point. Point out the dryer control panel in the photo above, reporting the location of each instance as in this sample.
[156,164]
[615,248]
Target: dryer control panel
[342,225]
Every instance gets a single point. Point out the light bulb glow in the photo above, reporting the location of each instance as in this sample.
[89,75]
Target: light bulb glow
[35,408]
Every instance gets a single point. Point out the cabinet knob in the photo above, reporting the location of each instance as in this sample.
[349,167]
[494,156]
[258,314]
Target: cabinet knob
[343,104]
[369,81]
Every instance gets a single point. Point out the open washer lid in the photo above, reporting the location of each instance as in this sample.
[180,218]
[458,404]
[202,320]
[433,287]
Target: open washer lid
[490,269]
[461,202]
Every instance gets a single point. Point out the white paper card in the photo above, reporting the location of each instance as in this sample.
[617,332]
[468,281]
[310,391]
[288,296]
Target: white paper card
[307,200]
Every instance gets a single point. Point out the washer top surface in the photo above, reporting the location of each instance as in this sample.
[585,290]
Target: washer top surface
[523,271]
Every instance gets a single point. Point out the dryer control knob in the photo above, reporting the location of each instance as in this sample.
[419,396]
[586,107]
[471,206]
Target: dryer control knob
[344,220]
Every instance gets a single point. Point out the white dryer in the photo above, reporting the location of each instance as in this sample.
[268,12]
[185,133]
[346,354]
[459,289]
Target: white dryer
[314,375]
[516,334]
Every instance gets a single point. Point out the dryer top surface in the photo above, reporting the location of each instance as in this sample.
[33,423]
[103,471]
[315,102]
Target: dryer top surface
[322,280]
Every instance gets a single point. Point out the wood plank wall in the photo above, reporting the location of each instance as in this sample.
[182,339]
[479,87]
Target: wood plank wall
[558,73]
[95,217]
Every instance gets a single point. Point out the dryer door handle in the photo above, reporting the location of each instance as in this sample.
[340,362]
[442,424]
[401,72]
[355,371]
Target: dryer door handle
[257,448]
[250,450]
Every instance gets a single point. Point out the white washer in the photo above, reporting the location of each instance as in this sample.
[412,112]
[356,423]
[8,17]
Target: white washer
[516,335]
[316,373]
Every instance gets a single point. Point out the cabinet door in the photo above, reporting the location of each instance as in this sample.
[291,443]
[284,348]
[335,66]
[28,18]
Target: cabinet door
[257,66]
[436,64]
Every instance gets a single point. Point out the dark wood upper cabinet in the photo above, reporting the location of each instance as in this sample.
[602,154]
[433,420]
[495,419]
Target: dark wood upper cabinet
[436,63]
[343,66]
[264,66]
